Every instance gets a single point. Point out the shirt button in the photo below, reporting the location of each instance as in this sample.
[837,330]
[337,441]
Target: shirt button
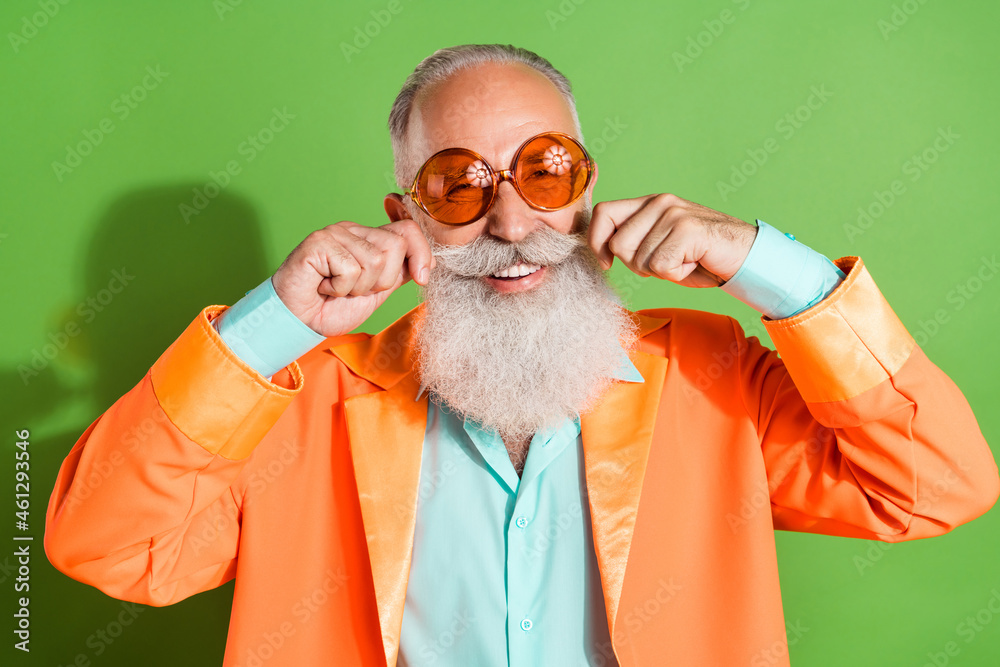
[791,236]
[526,624]
[521,522]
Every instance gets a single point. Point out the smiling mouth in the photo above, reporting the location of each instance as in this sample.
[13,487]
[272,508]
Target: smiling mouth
[516,271]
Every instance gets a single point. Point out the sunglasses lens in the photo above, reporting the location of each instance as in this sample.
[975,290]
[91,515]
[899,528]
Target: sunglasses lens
[455,186]
[552,171]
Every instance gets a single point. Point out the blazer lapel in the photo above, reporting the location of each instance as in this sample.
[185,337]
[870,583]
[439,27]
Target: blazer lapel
[616,437]
[386,431]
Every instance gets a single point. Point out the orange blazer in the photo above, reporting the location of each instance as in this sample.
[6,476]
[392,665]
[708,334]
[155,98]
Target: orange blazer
[305,488]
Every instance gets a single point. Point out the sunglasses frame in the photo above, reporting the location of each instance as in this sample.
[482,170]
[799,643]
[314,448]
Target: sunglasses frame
[499,177]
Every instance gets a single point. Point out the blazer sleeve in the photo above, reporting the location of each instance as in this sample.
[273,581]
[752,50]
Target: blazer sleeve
[861,434]
[144,506]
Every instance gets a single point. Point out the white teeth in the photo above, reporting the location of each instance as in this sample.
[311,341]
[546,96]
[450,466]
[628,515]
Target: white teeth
[517,270]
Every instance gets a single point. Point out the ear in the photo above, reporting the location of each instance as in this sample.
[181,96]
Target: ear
[593,182]
[395,208]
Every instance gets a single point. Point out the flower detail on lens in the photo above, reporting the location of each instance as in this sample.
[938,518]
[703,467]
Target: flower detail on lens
[556,160]
[478,174]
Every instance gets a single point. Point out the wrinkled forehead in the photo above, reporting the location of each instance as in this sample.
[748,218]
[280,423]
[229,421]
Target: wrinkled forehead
[491,109]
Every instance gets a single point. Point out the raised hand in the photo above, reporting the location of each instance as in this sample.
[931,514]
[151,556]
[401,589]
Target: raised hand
[665,236]
[336,278]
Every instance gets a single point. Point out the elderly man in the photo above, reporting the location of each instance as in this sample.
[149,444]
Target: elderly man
[519,471]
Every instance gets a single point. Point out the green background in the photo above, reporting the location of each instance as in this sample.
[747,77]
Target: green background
[668,125]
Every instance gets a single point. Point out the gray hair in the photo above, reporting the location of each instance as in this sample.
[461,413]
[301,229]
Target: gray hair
[442,64]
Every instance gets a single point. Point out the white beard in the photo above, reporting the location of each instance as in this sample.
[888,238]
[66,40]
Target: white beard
[522,362]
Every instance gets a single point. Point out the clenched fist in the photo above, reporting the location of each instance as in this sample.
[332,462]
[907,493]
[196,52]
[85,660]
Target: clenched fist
[671,238]
[336,278]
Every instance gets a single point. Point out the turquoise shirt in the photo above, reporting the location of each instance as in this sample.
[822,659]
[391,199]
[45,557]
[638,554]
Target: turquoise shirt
[503,569]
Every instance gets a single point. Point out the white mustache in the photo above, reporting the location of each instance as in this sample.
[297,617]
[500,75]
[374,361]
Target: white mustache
[486,255]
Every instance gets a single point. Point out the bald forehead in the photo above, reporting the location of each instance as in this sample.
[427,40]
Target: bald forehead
[490,108]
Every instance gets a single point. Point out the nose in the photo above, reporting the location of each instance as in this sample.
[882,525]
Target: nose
[510,218]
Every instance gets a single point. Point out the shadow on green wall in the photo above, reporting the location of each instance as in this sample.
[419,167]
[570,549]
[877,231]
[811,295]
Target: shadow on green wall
[145,275]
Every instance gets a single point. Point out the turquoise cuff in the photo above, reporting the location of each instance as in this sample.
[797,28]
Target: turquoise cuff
[782,277]
[261,331]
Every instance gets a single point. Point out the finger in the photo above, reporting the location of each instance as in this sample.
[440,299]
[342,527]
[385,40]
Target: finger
[669,260]
[419,260]
[711,279]
[340,272]
[678,259]
[640,236]
[393,248]
[630,235]
[607,218]
[367,256]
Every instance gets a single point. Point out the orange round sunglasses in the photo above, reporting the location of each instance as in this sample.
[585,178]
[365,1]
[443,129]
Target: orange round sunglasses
[457,186]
